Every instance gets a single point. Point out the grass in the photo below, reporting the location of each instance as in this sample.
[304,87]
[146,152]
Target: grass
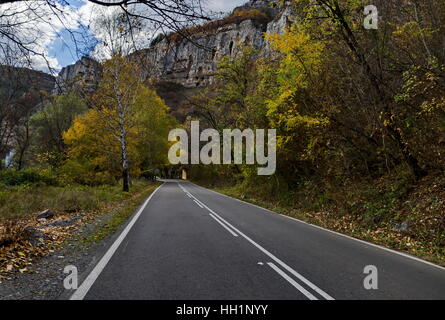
[118,216]
[19,205]
[104,207]
[25,201]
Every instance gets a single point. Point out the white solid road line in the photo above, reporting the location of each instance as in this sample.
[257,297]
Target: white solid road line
[277,260]
[309,295]
[198,203]
[367,243]
[406,255]
[225,227]
[81,292]
[211,211]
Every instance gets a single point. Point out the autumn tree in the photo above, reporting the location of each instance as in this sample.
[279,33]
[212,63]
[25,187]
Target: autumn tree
[115,100]
[346,101]
[238,97]
[93,155]
[125,132]
[152,126]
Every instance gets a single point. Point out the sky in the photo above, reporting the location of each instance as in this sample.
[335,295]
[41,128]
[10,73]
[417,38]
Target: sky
[61,50]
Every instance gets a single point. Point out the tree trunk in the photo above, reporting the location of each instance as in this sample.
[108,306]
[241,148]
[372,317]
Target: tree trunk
[23,147]
[124,154]
[126,180]
[412,161]
[125,166]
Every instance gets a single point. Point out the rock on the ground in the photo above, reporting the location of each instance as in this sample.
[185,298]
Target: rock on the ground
[36,237]
[404,226]
[45,214]
[66,222]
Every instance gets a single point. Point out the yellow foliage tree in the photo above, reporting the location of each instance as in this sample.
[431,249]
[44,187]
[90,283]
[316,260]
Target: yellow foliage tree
[298,71]
[126,130]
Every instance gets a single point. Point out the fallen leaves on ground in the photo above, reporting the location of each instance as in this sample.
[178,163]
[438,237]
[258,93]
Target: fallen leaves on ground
[20,255]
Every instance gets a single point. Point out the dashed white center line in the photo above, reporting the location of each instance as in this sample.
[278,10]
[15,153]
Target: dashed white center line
[201,205]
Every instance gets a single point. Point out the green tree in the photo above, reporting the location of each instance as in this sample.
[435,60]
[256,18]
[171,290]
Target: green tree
[48,125]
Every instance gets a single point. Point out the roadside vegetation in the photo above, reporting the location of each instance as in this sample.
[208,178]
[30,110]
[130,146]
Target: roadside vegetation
[390,211]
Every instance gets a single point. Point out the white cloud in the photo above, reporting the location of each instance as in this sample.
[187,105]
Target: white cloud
[223,5]
[35,25]
[102,23]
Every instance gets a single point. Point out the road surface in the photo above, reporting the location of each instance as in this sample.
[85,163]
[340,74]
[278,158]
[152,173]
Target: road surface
[187,242]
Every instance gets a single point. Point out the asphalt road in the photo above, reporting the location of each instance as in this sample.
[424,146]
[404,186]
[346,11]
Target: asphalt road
[188,242]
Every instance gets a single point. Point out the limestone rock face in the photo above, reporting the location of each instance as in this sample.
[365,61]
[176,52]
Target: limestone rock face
[279,25]
[271,7]
[192,62]
[85,73]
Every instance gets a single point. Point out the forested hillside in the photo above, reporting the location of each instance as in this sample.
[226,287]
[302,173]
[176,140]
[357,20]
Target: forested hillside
[360,120]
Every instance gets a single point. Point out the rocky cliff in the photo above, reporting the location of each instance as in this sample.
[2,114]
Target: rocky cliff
[84,74]
[191,61]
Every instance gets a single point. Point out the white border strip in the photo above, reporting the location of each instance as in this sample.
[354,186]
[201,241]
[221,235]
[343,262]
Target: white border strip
[81,292]
[406,255]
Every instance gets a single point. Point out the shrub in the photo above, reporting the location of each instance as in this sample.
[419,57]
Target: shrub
[251,14]
[12,177]
[148,174]
[78,172]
